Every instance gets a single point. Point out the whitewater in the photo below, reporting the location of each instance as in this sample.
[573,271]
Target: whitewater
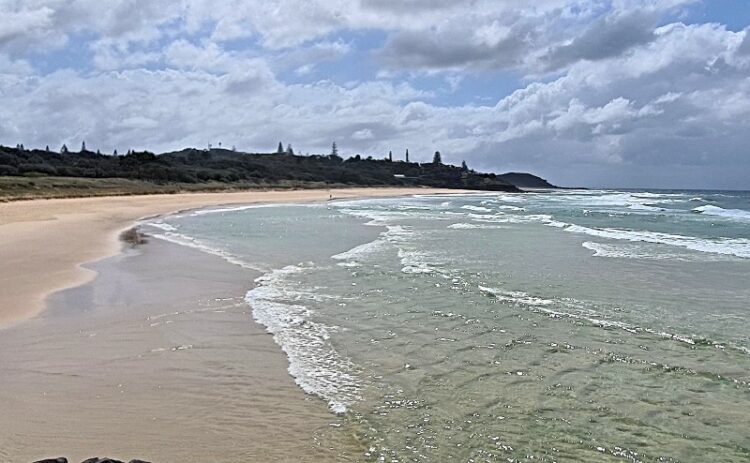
[569,325]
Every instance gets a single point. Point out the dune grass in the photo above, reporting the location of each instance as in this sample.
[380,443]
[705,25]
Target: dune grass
[42,187]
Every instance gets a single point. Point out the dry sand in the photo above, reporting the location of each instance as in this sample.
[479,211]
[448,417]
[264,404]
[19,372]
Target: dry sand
[44,242]
[157,358]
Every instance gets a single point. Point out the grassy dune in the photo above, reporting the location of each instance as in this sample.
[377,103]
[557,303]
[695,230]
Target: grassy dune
[18,188]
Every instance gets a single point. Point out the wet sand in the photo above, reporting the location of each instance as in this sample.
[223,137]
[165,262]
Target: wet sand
[43,243]
[158,358]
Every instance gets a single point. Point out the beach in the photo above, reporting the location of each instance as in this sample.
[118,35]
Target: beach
[158,357]
[570,325]
[44,242]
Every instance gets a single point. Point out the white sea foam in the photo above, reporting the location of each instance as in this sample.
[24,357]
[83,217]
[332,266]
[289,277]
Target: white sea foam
[571,308]
[245,207]
[646,251]
[473,226]
[739,247]
[463,226]
[511,198]
[633,201]
[511,208]
[469,207]
[361,251]
[220,210]
[278,304]
[511,218]
[557,224]
[195,243]
[161,226]
[382,217]
[646,207]
[398,236]
[516,297]
[419,262]
[732,214]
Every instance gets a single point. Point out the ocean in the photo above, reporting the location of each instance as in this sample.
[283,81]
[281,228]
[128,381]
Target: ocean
[571,325]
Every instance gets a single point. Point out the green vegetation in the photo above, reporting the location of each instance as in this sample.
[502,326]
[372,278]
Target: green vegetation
[43,173]
[34,187]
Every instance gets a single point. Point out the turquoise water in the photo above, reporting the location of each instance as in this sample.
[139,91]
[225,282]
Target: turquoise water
[564,326]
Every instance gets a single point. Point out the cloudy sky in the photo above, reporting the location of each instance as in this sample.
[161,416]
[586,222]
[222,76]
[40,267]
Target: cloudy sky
[623,93]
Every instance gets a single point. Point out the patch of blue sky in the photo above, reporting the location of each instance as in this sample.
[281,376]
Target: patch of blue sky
[473,89]
[75,54]
[358,65]
[361,64]
[734,14]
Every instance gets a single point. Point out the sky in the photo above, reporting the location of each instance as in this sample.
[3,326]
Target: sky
[595,93]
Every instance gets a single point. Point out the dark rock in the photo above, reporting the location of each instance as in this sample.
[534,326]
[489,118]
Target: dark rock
[101,460]
[53,460]
[139,461]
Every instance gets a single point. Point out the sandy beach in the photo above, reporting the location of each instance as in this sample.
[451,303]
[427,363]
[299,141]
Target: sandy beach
[44,242]
[158,357]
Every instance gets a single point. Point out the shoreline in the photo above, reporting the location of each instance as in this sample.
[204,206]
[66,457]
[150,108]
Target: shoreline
[159,358]
[47,241]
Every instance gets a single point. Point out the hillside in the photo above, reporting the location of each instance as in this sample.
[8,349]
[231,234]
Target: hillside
[218,167]
[524,180]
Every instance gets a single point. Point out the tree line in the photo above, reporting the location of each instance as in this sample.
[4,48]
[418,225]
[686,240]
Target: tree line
[222,165]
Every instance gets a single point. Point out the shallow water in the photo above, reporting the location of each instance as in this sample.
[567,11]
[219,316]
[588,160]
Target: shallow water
[563,326]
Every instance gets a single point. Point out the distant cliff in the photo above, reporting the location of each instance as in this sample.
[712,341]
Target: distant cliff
[247,170]
[523,180]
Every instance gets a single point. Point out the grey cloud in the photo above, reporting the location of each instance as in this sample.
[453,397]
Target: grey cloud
[412,6]
[310,56]
[431,50]
[744,48]
[662,111]
[607,38]
[246,84]
[460,47]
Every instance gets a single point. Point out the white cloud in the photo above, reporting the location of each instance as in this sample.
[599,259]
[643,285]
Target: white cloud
[609,96]
[364,134]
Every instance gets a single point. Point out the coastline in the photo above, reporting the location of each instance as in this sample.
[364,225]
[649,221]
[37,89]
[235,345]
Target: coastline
[157,358]
[46,242]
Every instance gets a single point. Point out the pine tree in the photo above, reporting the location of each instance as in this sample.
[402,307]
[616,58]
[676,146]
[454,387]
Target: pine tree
[83,146]
[334,149]
[115,153]
[437,159]
[46,148]
[280,149]
[289,150]
[98,152]
[407,154]
[390,156]
[464,167]
[64,149]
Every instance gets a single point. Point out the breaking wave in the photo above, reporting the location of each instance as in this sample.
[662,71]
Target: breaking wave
[279,305]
